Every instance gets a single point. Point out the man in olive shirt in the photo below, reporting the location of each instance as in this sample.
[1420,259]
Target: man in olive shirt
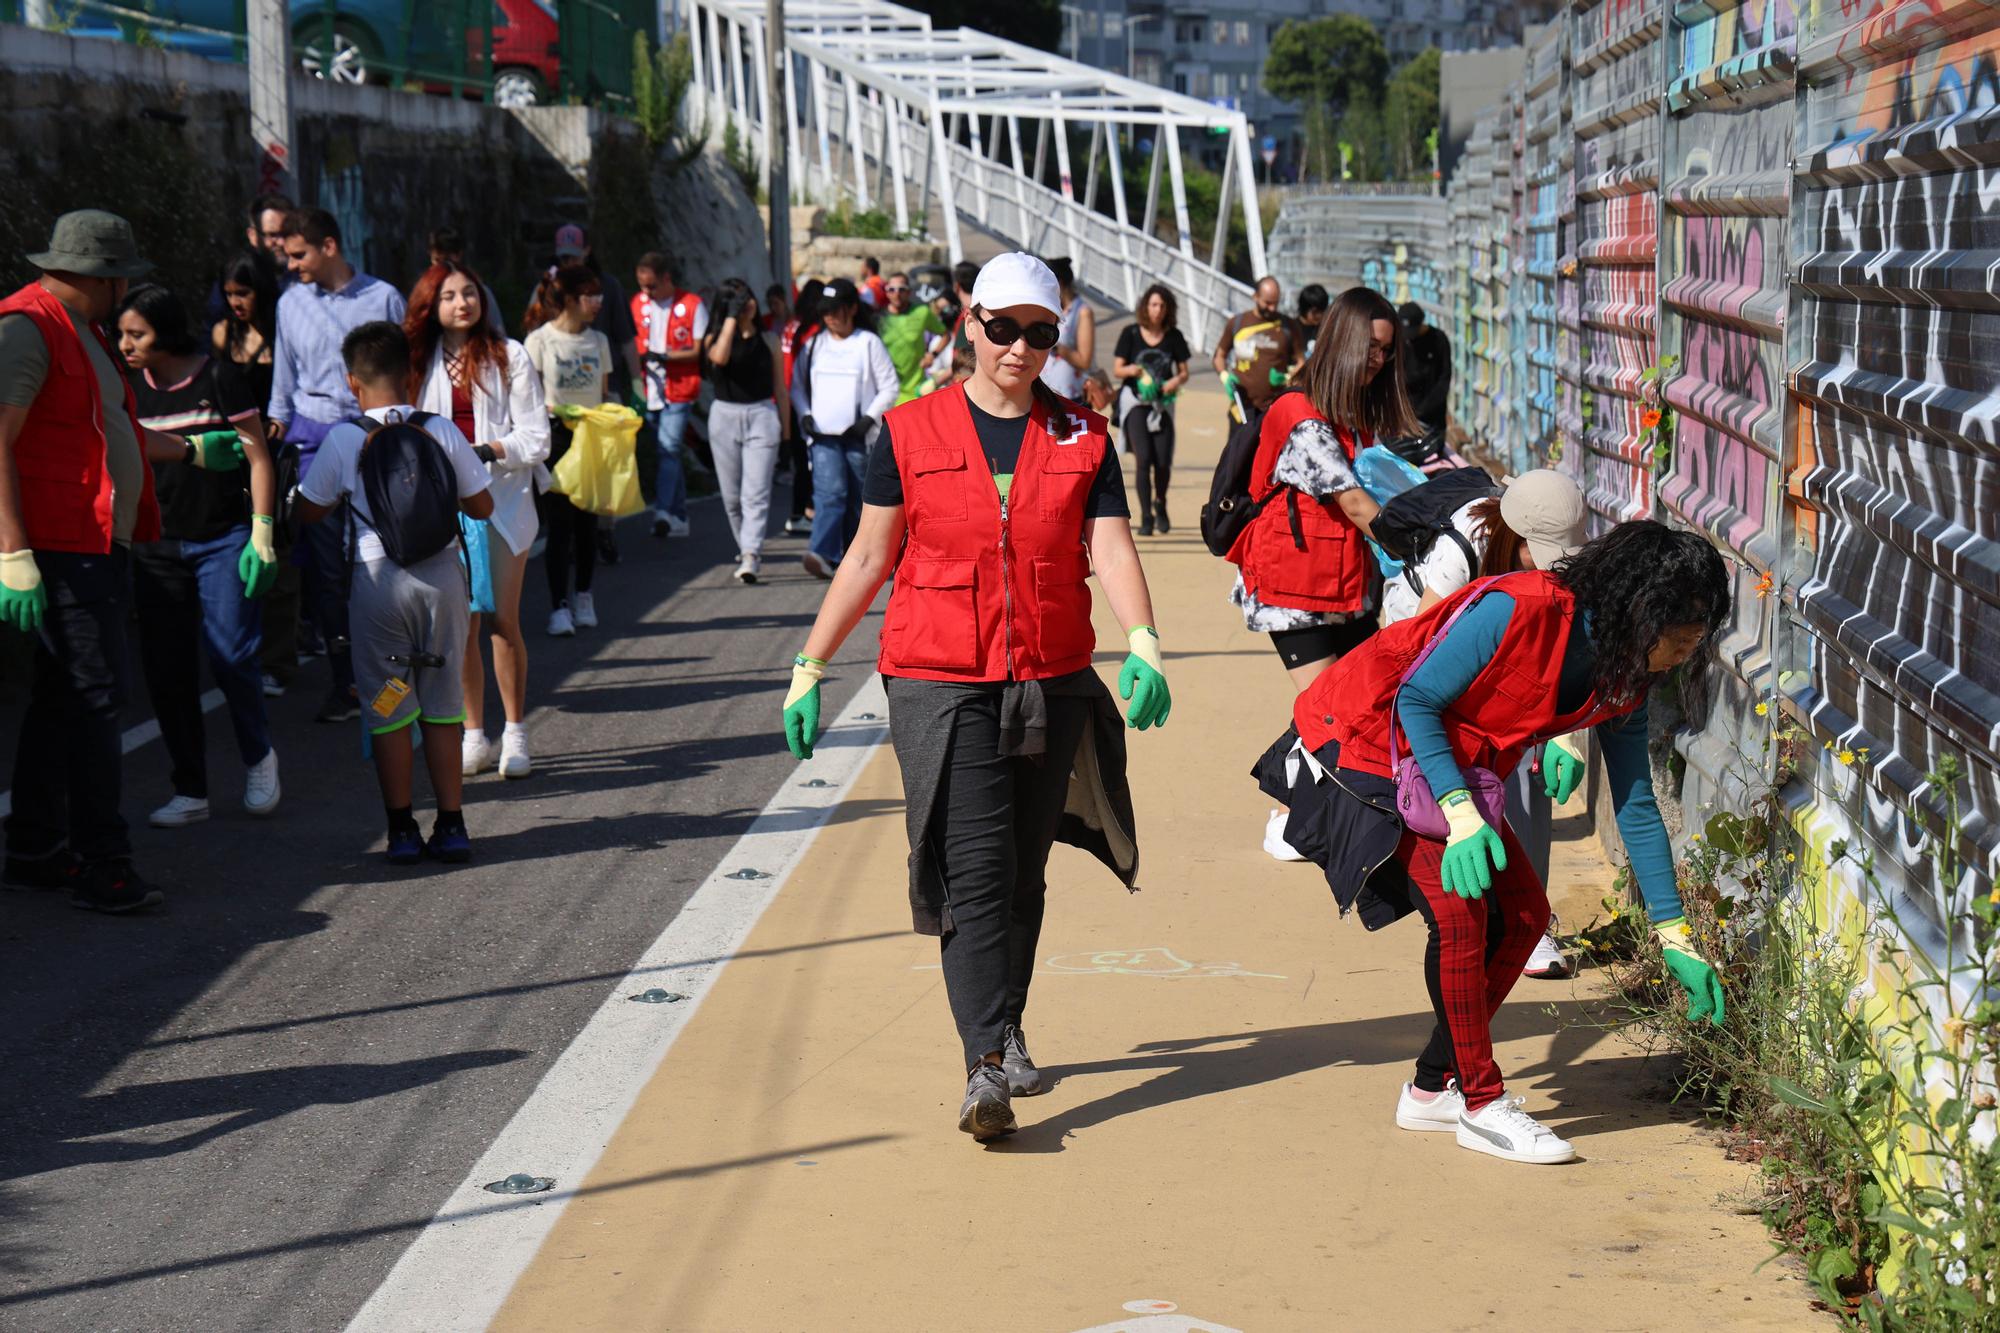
[75,492]
[1258,351]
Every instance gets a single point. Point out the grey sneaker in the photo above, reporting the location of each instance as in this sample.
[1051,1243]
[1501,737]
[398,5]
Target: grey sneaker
[986,1113]
[1023,1079]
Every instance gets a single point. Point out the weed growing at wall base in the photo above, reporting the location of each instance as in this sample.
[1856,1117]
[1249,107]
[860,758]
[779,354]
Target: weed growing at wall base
[1855,1071]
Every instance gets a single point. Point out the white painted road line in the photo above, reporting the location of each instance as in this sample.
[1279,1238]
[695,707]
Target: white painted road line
[460,1268]
[146,731]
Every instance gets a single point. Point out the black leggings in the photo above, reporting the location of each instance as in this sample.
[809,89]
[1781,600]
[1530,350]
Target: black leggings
[572,532]
[993,821]
[1315,643]
[1152,458]
[799,458]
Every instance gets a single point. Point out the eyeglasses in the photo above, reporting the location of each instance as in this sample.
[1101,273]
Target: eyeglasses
[1002,331]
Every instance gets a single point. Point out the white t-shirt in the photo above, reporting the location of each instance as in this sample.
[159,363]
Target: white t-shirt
[1443,569]
[572,365]
[335,472]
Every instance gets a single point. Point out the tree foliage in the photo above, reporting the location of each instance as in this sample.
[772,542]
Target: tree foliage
[1410,113]
[1327,66]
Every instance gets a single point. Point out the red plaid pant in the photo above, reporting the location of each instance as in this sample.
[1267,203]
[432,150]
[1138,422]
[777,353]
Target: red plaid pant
[1475,954]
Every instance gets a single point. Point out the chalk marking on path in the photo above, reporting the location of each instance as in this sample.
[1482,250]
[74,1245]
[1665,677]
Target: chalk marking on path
[145,732]
[459,1270]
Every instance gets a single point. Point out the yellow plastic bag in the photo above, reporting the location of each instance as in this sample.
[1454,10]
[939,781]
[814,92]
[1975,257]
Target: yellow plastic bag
[600,471]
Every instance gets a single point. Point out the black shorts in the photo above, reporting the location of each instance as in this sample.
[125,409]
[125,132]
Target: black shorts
[1297,647]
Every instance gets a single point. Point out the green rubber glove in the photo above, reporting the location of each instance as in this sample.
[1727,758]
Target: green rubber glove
[1279,379]
[1473,851]
[1149,388]
[217,450]
[1562,768]
[23,599]
[636,400]
[1228,384]
[802,706]
[1697,978]
[258,565]
[1142,681]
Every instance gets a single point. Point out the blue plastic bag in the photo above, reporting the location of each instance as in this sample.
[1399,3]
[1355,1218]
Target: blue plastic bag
[472,553]
[1385,474]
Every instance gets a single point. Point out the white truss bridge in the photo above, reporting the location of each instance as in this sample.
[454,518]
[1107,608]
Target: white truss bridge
[948,130]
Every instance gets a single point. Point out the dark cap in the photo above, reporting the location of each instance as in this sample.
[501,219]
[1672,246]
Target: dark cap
[1411,314]
[92,243]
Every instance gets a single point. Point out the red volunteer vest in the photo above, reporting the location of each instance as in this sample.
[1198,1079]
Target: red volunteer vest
[683,378]
[1323,564]
[1509,703]
[985,593]
[59,456]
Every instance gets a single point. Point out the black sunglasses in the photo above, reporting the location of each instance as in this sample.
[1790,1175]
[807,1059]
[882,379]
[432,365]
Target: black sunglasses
[1002,331]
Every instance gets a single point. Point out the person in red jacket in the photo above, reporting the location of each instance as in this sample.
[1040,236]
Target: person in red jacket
[1393,765]
[75,493]
[1305,576]
[991,503]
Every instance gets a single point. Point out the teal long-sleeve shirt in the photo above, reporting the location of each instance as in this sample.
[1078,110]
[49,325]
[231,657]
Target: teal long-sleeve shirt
[1450,670]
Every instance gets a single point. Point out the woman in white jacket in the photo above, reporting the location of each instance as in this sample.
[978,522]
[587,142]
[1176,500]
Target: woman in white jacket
[487,384]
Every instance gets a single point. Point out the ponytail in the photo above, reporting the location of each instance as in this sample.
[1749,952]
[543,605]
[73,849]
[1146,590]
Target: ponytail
[1058,408]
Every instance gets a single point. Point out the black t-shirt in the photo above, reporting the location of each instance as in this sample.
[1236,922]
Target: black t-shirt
[746,376]
[195,505]
[1135,350]
[1000,440]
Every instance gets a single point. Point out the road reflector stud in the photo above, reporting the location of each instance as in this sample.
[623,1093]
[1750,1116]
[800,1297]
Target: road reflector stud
[520,1183]
[748,872]
[657,996]
[816,782]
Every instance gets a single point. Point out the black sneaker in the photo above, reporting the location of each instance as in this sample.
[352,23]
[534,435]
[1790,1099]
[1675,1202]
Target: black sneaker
[449,843]
[115,887]
[798,526]
[338,706]
[1023,1079]
[56,871]
[986,1113]
[607,546]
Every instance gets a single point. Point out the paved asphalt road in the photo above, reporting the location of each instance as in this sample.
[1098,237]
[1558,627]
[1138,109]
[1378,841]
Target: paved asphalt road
[235,1115]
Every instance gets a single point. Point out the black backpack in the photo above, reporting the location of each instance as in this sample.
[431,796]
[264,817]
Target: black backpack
[1411,523]
[1230,509]
[411,489]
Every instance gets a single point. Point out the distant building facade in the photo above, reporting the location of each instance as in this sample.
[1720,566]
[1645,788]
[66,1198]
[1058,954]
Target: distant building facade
[1215,51]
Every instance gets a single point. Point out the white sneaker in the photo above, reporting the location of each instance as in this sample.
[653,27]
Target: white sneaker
[260,785]
[1440,1114]
[583,611]
[748,568]
[273,687]
[1548,962]
[1502,1129]
[1274,838]
[561,624]
[179,812]
[666,525]
[514,760]
[475,752]
[815,566]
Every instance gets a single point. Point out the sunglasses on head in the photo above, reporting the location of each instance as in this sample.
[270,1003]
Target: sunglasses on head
[1003,331]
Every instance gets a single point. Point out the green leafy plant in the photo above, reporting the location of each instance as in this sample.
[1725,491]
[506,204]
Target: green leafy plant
[737,154]
[868,224]
[1656,418]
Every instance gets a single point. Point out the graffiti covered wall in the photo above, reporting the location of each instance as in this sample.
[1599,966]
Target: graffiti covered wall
[1547,98]
[1892,575]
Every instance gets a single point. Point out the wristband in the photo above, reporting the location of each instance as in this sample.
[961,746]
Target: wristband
[1460,814]
[1145,643]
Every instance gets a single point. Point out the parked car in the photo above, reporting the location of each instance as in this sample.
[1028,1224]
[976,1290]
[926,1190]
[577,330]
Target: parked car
[361,41]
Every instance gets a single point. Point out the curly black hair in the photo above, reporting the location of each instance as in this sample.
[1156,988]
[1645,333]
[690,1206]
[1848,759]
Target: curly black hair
[1636,582]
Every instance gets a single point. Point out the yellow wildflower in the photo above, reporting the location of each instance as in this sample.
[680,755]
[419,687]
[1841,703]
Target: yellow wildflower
[1763,710]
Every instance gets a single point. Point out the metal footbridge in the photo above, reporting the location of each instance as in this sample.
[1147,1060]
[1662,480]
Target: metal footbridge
[948,130]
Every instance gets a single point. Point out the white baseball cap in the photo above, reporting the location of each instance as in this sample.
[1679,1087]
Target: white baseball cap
[1017,279]
[1546,508]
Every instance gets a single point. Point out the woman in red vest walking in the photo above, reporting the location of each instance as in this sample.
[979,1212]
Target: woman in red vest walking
[1305,575]
[1448,703]
[991,503]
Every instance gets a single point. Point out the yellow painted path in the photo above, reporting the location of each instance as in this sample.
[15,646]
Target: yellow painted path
[1219,1149]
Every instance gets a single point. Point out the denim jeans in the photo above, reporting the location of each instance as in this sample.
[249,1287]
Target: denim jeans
[838,465]
[191,605]
[67,760]
[669,424]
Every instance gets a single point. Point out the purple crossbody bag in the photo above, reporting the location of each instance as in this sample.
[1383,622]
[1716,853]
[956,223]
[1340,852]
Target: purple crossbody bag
[1414,801]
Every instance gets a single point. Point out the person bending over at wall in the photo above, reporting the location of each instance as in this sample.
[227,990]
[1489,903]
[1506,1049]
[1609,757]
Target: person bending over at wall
[1446,704]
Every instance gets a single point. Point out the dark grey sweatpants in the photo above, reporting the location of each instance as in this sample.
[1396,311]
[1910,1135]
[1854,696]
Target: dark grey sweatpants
[992,824]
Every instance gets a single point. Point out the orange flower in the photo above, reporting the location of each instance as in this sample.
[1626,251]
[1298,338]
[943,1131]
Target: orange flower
[1649,418]
[1764,586]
